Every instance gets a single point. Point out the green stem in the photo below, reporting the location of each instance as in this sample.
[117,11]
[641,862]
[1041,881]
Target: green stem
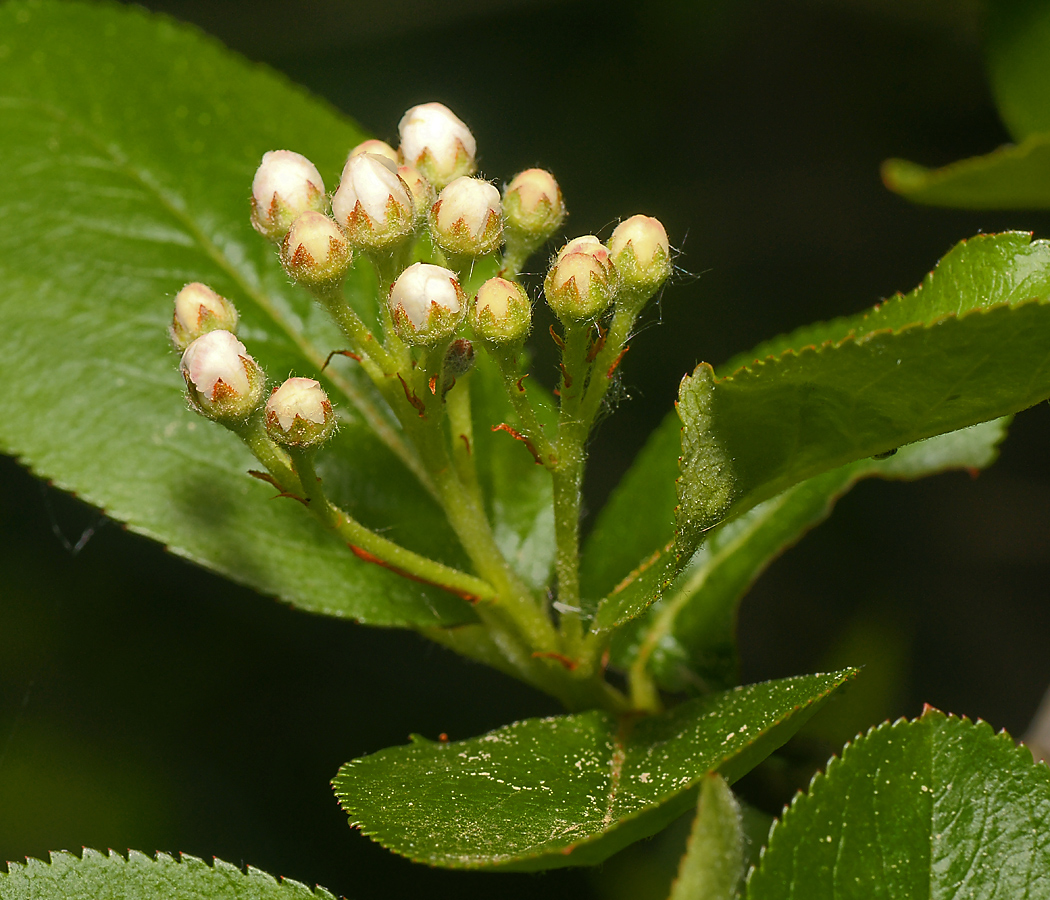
[461,431]
[375,359]
[380,548]
[528,422]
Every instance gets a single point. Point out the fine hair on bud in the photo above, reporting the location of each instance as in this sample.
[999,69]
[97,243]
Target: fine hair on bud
[588,244]
[315,251]
[372,203]
[641,252]
[426,303]
[502,312]
[299,413]
[435,141]
[579,287]
[222,381]
[373,145]
[286,185]
[467,218]
[533,204]
[198,310]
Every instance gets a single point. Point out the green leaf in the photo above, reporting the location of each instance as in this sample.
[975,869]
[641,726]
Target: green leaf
[714,859]
[1012,177]
[688,636]
[130,143]
[568,790]
[935,807]
[1017,49]
[140,877]
[971,343]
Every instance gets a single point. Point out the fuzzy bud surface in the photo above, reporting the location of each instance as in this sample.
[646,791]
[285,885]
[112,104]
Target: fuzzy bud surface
[533,204]
[286,185]
[426,303]
[315,251]
[467,217]
[372,203]
[435,141]
[223,382]
[423,193]
[579,286]
[198,310]
[502,312]
[299,413]
[641,252]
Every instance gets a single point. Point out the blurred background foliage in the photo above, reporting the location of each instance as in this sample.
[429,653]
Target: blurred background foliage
[146,703]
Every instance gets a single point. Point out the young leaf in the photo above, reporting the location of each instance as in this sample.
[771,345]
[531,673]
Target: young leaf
[970,344]
[934,807]
[140,877]
[568,790]
[688,635]
[130,143]
[1012,177]
[714,859]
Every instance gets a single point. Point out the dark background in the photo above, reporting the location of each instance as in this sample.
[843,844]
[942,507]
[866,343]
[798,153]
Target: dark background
[146,703]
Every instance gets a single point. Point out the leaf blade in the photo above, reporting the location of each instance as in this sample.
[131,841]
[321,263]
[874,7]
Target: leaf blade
[713,863]
[570,790]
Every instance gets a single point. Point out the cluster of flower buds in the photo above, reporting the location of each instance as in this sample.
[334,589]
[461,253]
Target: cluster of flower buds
[224,383]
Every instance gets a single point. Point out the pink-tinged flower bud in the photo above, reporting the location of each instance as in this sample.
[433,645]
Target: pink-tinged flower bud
[315,252]
[222,381]
[579,287]
[299,413]
[198,310]
[437,143]
[467,218]
[423,193]
[502,312]
[381,148]
[588,244]
[373,204]
[286,185]
[532,204]
[426,303]
[641,253]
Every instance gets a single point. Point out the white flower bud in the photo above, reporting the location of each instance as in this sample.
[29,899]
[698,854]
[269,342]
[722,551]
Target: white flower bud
[502,312]
[426,303]
[532,203]
[315,251]
[382,148]
[223,382]
[588,244]
[579,287]
[198,310]
[641,252]
[286,185]
[423,193]
[437,143]
[372,203]
[467,218]
[299,413]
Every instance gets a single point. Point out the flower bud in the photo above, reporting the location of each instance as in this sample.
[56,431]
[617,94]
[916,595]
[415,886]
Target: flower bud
[222,381]
[459,359]
[198,310]
[380,148]
[588,244]
[437,143]
[315,251]
[641,253]
[426,303]
[467,219]
[532,203]
[372,203]
[286,185]
[299,413]
[423,193]
[579,287]
[502,312]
